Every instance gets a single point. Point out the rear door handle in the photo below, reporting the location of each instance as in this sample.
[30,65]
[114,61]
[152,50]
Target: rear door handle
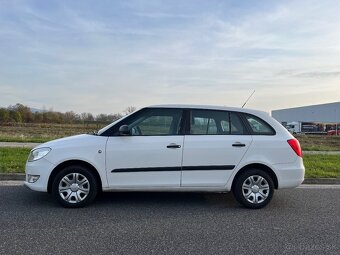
[239,145]
[173,146]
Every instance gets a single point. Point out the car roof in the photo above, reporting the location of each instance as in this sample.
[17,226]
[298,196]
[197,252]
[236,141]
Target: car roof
[208,107]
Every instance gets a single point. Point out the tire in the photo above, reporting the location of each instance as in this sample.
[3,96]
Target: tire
[254,188]
[75,186]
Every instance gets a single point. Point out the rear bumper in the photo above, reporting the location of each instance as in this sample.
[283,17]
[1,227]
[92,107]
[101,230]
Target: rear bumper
[290,175]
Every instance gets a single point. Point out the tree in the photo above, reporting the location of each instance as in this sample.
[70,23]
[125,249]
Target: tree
[113,117]
[25,112]
[17,117]
[86,117]
[90,117]
[22,113]
[101,117]
[83,116]
[38,117]
[129,109]
[4,115]
[69,117]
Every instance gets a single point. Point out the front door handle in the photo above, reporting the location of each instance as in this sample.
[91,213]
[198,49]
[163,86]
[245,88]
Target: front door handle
[239,145]
[173,146]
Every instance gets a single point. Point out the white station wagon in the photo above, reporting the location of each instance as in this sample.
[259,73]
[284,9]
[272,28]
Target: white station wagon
[172,148]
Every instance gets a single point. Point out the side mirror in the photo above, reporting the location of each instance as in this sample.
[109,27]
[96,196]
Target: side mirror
[124,130]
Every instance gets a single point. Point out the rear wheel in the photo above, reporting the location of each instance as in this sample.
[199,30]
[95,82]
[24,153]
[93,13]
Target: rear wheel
[254,188]
[75,186]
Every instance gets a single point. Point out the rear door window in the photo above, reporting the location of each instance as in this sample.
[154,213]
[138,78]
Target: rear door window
[203,123]
[210,122]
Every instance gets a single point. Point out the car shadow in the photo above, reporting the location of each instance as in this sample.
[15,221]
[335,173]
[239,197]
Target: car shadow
[140,199]
[186,199]
[146,200]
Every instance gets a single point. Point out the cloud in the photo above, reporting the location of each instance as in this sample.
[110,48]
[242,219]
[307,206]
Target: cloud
[146,52]
[318,74]
[162,15]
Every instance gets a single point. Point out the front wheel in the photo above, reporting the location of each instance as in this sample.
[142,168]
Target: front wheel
[254,188]
[74,186]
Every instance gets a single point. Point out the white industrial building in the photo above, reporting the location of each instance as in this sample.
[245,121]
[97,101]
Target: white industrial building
[320,117]
[326,113]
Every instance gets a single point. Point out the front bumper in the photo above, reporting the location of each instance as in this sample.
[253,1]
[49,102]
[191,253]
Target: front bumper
[41,167]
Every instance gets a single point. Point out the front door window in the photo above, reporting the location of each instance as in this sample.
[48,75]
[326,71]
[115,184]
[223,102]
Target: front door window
[155,122]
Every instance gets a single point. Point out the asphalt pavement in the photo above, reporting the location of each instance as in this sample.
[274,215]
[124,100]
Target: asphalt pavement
[300,221]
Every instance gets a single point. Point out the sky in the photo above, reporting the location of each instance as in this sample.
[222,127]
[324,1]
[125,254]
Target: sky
[103,56]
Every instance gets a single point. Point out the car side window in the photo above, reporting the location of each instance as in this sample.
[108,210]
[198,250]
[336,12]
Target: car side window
[225,125]
[203,126]
[214,122]
[206,122]
[156,122]
[259,126]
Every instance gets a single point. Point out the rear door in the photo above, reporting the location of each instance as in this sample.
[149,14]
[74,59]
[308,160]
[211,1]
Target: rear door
[213,147]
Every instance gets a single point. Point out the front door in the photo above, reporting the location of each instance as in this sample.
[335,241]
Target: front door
[151,155]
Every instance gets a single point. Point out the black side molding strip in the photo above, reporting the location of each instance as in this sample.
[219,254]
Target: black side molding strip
[175,168]
[218,167]
[146,169]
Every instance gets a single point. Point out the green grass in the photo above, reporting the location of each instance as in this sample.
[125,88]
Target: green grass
[319,142]
[12,160]
[322,166]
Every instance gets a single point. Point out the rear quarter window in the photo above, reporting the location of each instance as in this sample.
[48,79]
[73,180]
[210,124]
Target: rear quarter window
[259,126]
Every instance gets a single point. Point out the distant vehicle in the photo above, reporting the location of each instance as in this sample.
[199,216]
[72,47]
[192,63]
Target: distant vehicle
[309,128]
[333,132]
[294,127]
[172,148]
[298,127]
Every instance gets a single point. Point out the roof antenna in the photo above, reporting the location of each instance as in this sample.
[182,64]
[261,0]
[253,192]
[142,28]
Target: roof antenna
[248,98]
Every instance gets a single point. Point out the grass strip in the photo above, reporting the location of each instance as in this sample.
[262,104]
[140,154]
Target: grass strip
[319,143]
[322,166]
[13,160]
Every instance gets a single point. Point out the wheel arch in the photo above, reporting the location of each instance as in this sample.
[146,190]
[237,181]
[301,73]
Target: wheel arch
[70,163]
[260,166]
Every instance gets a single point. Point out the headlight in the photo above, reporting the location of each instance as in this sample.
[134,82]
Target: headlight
[38,153]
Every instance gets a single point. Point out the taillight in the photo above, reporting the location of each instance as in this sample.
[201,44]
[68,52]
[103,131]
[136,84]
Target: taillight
[294,143]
